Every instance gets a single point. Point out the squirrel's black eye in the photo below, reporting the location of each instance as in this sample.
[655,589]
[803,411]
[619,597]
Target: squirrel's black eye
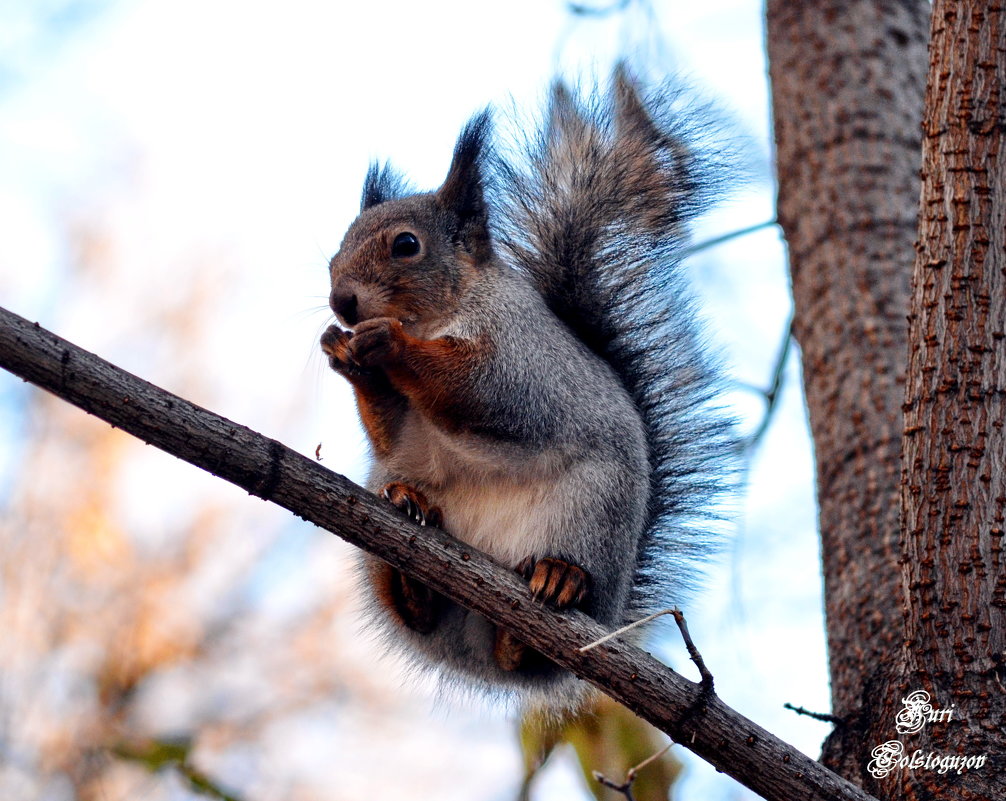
[405,244]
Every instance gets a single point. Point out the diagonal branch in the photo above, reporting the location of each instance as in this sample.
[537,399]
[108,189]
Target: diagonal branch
[268,469]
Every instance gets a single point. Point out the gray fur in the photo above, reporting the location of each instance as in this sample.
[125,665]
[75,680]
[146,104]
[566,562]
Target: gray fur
[587,434]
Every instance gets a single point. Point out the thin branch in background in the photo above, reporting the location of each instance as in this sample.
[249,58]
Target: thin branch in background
[625,788]
[158,755]
[578,13]
[636,22]
[693,652]
[719,240]
[771,394]
[816,715]
[582,10]
[624,629]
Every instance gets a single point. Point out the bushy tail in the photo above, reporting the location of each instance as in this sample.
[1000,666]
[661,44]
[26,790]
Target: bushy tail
[596,213]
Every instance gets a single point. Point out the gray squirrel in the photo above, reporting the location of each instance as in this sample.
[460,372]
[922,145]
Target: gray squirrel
[527,367]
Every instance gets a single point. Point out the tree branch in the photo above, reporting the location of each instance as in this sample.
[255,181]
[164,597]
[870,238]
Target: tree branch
[625,787]
[825,718]
[268,469]
[847,101]
[773,392]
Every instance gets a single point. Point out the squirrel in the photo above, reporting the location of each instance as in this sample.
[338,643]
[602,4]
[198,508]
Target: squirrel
[530,376]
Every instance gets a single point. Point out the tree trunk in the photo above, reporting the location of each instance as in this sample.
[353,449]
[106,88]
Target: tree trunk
[953,491]
[847,79]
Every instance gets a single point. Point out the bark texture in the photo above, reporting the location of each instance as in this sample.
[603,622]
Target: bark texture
[954,484]
[691,715]
[848,79]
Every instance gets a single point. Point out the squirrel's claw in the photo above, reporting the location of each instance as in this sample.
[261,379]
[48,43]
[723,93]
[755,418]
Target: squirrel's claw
[413,504]
[335,344]
[555,581]
[375,342]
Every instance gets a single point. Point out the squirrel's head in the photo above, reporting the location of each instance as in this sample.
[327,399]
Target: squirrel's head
[412,257]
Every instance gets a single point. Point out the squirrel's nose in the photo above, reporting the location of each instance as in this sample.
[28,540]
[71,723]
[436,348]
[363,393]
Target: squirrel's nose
[343,303]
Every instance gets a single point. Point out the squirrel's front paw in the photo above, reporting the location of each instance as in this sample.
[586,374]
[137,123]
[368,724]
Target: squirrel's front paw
[555,582]
[335,345]
[376,342]
[414,504]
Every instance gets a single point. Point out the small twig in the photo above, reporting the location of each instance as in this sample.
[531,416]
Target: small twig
[771,394]
[679,618]
[631,775]
[625,788]
[693,652]
[816,715]
[624,629]
[719,240]
[158,755]
[582,10]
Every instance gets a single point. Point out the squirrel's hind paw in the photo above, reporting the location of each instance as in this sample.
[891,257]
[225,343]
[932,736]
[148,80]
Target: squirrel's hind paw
[555,581]
[417,605]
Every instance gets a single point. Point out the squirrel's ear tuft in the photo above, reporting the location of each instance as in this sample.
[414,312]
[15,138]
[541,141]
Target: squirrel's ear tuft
[382,183]
[463,191]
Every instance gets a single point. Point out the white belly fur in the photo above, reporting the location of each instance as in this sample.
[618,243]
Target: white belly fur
[503,501]
[509,522]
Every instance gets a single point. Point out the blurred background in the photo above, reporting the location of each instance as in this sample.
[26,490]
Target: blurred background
[173,179]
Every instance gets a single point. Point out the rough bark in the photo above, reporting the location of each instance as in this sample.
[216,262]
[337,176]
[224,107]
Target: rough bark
[954,484]
[847,80]
[693,717]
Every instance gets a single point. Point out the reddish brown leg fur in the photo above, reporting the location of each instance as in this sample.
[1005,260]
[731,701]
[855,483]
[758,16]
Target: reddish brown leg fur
[412,603]
[553,581]
[509,652]
[381,406]
[416,605]
[431,373]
